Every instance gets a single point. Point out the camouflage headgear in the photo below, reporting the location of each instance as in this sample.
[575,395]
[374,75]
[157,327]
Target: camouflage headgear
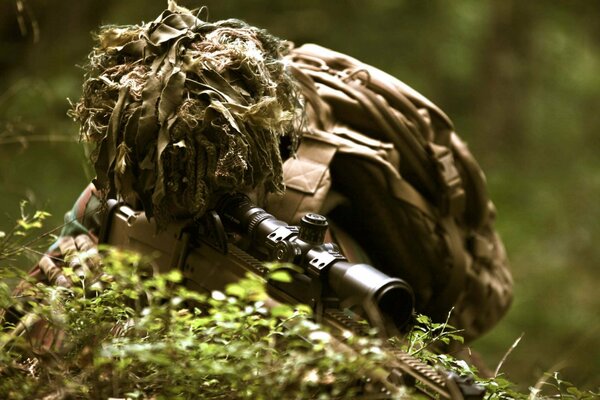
[181,109]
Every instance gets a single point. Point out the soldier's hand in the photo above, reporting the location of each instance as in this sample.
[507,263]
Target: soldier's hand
[77,260]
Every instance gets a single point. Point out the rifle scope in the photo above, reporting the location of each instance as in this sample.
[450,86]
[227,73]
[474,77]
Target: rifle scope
[385,299]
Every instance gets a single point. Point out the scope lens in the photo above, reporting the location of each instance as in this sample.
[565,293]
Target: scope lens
[396,302]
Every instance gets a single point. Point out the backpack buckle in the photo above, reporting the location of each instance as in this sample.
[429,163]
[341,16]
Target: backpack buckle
[452,199]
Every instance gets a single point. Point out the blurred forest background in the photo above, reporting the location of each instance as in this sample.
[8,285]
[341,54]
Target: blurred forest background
[520,79]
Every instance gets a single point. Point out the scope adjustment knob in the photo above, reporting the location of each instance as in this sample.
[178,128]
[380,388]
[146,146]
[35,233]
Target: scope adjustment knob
[313,228]
[285,252]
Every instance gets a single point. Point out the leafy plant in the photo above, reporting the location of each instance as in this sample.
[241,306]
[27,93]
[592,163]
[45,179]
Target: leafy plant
[19,239]
[132,334]
[146,336]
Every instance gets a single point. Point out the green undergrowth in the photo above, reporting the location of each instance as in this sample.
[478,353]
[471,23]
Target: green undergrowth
[133,334]
[24,238]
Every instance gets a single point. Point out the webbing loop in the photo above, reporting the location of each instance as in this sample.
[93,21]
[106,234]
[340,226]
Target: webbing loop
[452,196]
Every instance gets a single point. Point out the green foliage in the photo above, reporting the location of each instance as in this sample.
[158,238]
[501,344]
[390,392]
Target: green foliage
[427,336]
[426,333]
[17,240]
[146,336]
[130,333]
[136,335]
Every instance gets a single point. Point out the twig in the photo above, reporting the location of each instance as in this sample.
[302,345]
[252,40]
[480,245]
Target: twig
[510,349]
[27,245]
[22,10]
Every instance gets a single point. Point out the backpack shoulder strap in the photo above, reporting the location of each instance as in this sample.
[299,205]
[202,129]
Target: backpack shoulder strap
[307,179]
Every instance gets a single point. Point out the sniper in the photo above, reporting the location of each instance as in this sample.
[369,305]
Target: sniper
[184,113]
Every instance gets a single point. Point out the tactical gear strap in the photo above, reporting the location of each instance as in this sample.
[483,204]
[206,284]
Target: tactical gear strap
[385,156]
[457,263]
[307,180]
[452,196]
[477,203]
[307,175]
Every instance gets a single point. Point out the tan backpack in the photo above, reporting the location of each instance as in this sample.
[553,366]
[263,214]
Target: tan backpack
[386,166]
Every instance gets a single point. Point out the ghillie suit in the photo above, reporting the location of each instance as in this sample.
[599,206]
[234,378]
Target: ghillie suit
[181,110]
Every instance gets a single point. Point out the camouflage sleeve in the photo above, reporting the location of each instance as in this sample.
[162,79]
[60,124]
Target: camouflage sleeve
[83,218]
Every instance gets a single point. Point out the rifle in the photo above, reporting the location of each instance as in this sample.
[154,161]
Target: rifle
[237,237]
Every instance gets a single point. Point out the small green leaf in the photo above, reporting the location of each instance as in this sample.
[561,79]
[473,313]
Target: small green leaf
[29,225]
[282,311]
[132,294]
[40,215]
[236,290]
[278,266]
[280,276]
[174,276]
[304,309]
